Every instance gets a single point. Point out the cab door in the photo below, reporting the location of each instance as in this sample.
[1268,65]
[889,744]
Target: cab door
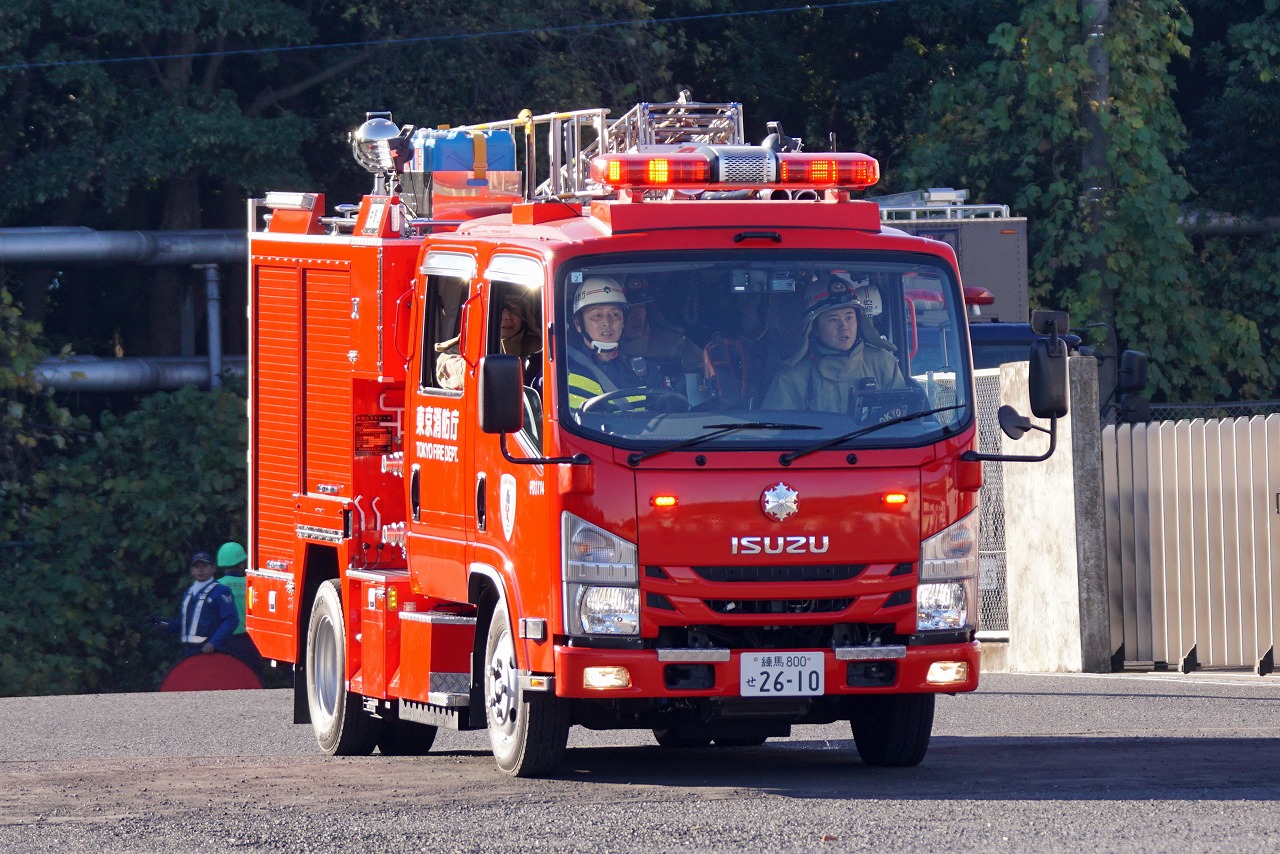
[516,525]
[440,423]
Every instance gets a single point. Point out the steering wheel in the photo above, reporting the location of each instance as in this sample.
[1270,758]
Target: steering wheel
[669,401]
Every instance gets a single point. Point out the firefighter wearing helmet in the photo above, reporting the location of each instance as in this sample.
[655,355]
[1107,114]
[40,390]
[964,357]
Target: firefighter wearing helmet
[840,353]
[595,363]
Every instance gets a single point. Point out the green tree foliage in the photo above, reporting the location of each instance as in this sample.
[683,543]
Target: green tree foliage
[856,72]
[105,543]
[1233,99]
[30,422]
[107,103]
[1015,128]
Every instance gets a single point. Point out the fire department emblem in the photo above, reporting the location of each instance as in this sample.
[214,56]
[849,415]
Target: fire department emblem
[780,502]
[507,504]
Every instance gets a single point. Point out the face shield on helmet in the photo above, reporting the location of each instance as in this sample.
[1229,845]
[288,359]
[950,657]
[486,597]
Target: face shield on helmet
[597,291]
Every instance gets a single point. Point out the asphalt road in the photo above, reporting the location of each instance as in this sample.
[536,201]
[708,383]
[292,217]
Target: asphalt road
[1138,762]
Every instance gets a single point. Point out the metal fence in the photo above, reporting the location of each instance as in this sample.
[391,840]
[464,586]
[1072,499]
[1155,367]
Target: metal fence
[993,608]
[1230,409]
[1193,541]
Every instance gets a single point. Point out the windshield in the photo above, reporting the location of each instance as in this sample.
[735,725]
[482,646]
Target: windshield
[663,349]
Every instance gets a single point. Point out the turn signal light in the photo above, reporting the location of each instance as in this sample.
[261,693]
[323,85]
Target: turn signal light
[663,501]
[895,498]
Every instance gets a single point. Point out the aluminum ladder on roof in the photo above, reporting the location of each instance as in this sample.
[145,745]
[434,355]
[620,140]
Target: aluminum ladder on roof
[573,138]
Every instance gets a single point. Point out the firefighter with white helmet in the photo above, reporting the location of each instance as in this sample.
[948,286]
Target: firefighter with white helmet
[599,316]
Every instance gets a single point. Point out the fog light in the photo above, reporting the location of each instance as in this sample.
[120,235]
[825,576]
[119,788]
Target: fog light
[947,672]
[604,678]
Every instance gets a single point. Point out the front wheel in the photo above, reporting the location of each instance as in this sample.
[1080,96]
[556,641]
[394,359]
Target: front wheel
[528,733]
[342,726]
[892,730]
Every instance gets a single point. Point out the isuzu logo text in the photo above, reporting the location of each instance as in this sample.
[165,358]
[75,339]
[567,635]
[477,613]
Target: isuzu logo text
[778,545]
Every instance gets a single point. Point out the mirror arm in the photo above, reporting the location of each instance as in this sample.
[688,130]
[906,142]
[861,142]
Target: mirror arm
[575,460]
[974,456]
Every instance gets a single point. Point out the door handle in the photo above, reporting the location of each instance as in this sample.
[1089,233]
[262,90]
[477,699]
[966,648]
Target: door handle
[481,503]
[415,492]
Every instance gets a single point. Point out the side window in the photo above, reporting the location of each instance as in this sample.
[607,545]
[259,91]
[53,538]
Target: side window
[442,364]
[515,327]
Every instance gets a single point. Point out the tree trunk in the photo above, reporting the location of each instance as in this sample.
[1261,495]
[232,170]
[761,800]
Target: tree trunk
[181,212]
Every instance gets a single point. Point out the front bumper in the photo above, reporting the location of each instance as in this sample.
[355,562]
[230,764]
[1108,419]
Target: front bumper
[649,675]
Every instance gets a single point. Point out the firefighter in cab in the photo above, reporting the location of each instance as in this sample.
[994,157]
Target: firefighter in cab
[595,364]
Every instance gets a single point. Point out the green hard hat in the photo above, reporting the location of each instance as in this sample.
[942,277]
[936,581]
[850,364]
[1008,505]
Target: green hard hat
[231,554]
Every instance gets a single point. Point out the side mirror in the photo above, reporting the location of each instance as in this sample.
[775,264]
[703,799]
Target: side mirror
[1132,375]
[1054,323]
[1014,425]
[501,394]
[1047,377]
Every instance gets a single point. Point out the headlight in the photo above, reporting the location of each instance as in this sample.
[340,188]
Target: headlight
[952,552]
[942,606]
[601,581]
[608,610]
[947,596]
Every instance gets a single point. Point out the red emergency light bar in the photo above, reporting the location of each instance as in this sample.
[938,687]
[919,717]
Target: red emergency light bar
[705,169]
[856,171]
[667,171]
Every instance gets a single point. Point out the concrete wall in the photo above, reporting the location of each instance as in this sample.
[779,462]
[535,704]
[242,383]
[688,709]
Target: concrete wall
[1056,545]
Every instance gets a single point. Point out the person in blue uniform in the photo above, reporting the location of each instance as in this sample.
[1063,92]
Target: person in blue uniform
[207,617]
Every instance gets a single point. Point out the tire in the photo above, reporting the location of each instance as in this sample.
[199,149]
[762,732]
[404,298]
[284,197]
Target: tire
[528,734]
[671,737]
[892,730]
[342,726]
[397,737]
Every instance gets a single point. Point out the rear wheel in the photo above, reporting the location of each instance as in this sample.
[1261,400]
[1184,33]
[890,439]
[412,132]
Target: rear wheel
[398,737]
[342,726]
[892,730]
[528,733]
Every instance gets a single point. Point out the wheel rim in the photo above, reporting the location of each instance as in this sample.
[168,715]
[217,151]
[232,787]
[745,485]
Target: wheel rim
[502,688]
[325,666]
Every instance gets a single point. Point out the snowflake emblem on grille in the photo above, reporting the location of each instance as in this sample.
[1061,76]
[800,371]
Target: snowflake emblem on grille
[780,502]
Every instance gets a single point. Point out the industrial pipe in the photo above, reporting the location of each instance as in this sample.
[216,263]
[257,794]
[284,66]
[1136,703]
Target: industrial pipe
[160,373]
[59,247]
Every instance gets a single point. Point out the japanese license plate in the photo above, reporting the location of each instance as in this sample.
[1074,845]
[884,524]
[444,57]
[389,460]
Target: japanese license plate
[782,674]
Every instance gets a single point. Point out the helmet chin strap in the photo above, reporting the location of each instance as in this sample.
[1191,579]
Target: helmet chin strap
[603,346]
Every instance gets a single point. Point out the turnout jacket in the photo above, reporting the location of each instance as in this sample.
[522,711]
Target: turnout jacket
[825,383]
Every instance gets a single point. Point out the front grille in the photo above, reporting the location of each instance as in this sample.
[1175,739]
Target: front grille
[821,572]
[778,606]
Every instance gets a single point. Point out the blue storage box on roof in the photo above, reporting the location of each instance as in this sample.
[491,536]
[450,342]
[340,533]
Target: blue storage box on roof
[458,150]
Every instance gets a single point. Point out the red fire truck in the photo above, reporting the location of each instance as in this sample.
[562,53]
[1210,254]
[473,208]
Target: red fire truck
[543,438]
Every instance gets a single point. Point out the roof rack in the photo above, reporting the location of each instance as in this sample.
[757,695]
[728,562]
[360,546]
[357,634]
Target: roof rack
[573,138]
[936,203]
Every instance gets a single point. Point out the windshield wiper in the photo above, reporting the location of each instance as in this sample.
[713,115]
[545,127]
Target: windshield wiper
[791,456]
[716,430]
